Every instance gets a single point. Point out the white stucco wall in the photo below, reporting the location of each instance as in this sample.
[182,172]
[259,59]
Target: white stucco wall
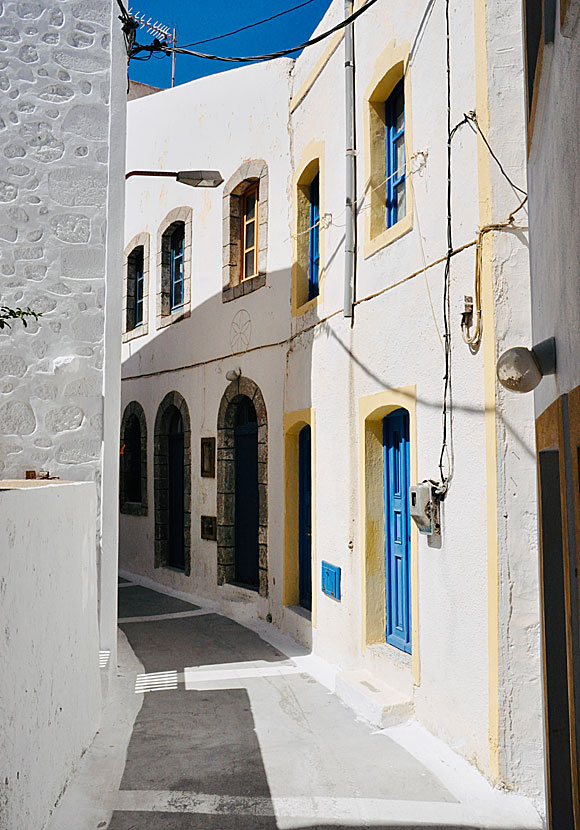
[50,694]
[61,142]
[555,253]
[477,597]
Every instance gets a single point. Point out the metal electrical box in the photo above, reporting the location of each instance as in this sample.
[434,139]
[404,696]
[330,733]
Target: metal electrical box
[424,508]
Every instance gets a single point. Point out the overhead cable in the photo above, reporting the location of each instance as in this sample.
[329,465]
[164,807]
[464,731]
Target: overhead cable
[156,46]
[249,26]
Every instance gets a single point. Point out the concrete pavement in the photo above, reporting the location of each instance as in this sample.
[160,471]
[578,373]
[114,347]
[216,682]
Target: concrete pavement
[211,726]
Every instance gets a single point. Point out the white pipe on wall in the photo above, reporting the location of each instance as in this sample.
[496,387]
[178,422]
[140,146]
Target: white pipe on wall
[349,235]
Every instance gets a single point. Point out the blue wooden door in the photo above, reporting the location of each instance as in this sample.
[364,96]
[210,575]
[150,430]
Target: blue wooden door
[397,528]
[176,492]
[246,516]
[304,519]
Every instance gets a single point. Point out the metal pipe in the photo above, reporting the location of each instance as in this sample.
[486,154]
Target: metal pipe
[349,234]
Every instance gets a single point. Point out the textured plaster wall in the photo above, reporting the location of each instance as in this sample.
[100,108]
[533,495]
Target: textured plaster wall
[330,366]
[555,252]
[49,667]
[55,61]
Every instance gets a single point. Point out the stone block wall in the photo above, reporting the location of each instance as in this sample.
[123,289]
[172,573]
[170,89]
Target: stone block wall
[55,84]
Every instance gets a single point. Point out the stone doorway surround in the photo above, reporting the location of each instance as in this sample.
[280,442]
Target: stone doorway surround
[232,396]
[161,464]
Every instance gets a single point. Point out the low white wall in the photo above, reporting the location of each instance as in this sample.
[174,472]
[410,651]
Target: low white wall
[50,692]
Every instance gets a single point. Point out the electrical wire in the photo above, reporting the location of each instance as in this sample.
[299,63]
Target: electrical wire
[471,119]
[249,26]
[157,46]
[447,409]
[472,331]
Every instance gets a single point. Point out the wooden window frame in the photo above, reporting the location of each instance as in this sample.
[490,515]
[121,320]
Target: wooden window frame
[392,136]
[252,190]
[314,237]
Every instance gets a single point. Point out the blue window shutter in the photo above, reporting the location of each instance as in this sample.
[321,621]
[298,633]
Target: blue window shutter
[139,283]
[394,137]
[177,244]
[314,246]
[397,529]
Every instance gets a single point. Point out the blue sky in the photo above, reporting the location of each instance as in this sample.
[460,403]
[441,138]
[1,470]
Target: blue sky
[195,20]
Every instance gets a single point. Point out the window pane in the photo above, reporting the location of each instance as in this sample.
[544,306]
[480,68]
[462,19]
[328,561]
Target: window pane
[399,157]
[249,264]
[399,112]
[400,197]
[177,294]
[250,235]
[250,206]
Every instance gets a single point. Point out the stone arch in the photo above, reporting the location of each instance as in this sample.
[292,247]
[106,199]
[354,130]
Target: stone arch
[250,172]
[171,402]
[134,508]
[237,389]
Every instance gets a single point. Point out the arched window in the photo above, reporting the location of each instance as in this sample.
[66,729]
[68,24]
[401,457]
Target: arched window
[133,473]
[136,287]
[174,260]
[388,128]
[135,292]
[307,260]
[245,241]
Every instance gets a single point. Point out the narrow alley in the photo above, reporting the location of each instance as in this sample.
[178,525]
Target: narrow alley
[213,726]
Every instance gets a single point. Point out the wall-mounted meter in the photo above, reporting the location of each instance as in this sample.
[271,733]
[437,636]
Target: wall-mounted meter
[425,508]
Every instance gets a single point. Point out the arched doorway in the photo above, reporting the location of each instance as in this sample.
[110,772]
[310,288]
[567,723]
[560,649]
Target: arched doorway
[133,472]
[305,518]
[396,463]
[173,484]
[246,551]
[242,485]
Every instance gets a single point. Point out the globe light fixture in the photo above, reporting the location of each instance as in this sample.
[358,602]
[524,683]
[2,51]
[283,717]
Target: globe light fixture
[520,369]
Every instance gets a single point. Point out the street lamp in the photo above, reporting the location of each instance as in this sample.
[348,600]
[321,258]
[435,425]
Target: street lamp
[193,178]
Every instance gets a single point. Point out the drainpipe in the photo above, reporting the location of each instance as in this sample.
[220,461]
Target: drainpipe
[349,234]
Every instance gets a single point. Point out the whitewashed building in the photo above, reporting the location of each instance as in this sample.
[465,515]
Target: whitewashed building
[553,121]
[268,441]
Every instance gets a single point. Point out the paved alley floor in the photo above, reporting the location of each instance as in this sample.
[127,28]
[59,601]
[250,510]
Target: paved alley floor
[213,727]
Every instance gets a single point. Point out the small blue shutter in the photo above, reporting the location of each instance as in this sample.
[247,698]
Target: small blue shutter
[397,529]
[314,247]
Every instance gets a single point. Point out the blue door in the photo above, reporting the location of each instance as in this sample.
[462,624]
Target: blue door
[397,528]
[304,519]
[246,516]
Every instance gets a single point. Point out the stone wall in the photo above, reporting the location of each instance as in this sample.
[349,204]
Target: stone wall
[55,62]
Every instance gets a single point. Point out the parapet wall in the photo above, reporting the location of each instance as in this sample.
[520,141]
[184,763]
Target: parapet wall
[50,693]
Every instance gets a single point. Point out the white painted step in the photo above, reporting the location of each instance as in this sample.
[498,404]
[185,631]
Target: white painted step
[372,700]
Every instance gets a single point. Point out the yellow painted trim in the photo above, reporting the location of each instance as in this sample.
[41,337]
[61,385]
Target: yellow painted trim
[391,65]
[372,410]
[489,388]
[312,153]
[293,423]
[316,71]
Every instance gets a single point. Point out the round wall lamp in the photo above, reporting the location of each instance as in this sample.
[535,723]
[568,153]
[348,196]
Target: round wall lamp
[520,369]
[233,374]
